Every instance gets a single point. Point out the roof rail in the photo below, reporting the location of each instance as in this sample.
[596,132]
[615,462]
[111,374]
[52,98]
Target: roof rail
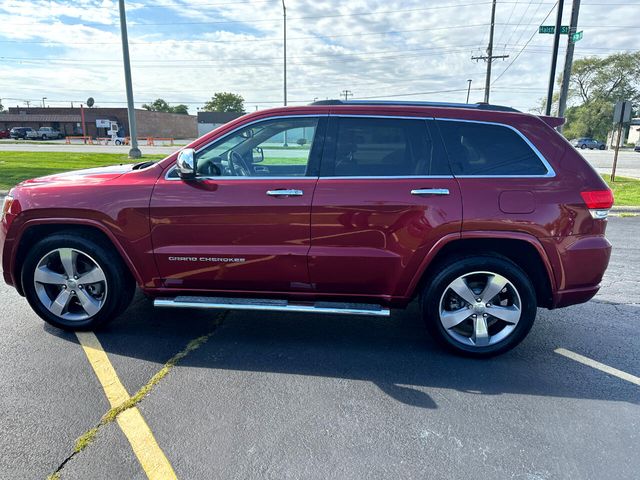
[474,106]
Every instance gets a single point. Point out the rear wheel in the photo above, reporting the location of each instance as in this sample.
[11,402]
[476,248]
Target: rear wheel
[601,147]
[76,282]
[480,306]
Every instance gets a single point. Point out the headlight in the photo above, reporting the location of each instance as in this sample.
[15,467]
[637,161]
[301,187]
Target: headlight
[6,206]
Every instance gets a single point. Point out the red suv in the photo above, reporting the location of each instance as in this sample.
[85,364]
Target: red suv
[481,212]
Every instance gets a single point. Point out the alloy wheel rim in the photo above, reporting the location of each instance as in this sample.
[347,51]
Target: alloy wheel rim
[70,284]
[480,309]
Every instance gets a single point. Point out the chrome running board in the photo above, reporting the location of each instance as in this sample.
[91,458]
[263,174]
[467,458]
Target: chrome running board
[272,305]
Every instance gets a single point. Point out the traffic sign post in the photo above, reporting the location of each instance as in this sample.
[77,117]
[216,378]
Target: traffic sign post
[621,115]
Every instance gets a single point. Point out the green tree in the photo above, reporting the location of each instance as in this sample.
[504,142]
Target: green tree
[596,85]
[225,102]
[183,109]
[160,105]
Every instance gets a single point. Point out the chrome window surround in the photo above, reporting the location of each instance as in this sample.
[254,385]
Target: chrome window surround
[235,177]
[550,172]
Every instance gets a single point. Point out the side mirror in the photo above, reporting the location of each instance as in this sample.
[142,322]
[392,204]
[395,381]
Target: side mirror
[186,164]
[260,157]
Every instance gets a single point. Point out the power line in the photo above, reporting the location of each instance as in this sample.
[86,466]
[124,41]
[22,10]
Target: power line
[515,4]
[519,23]
[525,45]
[524,29]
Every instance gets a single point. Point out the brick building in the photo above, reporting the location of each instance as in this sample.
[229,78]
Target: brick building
[68,121]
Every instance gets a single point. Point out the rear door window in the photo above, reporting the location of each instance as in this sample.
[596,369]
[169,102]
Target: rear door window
[382,147]
[484,149]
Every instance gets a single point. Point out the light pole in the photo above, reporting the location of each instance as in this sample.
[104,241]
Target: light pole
[469,89]
[133,131]
[284,15]
[43,99]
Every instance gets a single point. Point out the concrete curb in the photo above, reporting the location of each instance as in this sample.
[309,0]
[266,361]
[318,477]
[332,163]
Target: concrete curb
[622,209]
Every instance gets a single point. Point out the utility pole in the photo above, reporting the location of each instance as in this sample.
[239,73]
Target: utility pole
[469,89]
[346,94]
[43,99]
[554,57]
[568,61]
[28,102]
[490,56]
[134,152]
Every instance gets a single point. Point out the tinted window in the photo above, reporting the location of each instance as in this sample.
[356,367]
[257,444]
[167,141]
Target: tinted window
[383,147]
[484,149]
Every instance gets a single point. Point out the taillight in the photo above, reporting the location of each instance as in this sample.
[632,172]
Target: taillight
[598,202]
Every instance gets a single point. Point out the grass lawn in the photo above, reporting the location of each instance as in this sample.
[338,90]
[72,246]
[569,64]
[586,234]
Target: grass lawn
[18,166]
[626,191]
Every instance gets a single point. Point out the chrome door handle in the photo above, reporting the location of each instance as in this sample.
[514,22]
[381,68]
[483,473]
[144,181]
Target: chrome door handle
[430,191]
[285,193]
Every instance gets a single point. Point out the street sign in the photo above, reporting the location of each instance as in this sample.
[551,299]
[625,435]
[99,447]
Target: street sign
[622,112]
[102,123]
[564,29]
[575,37]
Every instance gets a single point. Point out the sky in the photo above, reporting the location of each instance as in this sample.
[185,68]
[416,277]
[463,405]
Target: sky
[185,51]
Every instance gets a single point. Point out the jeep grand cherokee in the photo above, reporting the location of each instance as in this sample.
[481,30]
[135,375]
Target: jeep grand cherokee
[480,212]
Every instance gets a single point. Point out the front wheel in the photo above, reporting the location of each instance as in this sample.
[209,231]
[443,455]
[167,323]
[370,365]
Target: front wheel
[76,281]
[479,306]
[583,146]
[601,147]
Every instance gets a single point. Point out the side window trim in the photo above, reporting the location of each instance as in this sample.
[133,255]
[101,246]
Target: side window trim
[330,147]
[314,155]
[550,171]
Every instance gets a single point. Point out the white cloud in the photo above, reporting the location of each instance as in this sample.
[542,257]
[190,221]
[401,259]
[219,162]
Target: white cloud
[410,47]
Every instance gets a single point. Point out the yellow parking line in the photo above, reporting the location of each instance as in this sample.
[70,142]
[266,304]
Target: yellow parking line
[144,445]
[599,366]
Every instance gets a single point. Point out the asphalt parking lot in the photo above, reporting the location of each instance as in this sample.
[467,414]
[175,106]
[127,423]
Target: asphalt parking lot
[294,396]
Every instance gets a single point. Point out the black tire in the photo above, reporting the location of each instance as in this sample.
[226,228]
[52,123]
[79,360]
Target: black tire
[44,137]
[455,268]
[583,146]
[120,284]
[601,147]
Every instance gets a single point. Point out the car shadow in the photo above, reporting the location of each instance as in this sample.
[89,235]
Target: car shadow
[395,354]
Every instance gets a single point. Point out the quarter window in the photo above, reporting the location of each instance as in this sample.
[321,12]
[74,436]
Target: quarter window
[485,149]
[384,147]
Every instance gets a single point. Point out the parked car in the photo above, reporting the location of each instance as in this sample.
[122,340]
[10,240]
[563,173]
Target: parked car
[49,133]
[587,142]
[4,133]
[24,133]
[479,212]
[637,147]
